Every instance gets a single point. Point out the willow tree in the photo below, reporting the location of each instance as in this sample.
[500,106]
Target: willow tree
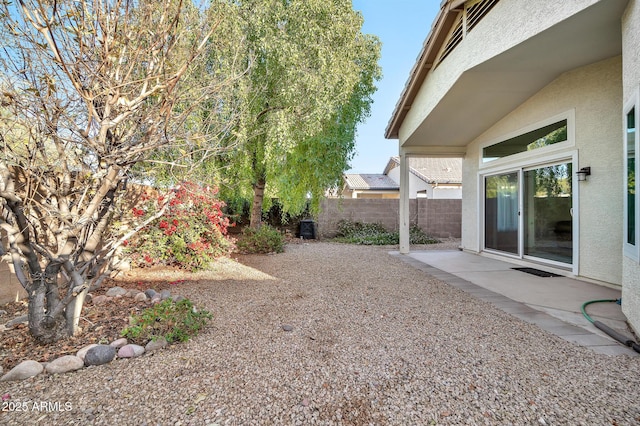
[311,76]
[89,88]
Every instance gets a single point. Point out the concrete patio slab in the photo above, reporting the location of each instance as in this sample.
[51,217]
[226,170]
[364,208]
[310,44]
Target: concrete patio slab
[554,303]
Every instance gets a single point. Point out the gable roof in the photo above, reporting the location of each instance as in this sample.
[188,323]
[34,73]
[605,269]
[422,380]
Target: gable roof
[444,20]
[506,78]
[370,182]
[431,169]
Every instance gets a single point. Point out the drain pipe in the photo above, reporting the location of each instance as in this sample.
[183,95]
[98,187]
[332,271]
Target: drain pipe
[627,341]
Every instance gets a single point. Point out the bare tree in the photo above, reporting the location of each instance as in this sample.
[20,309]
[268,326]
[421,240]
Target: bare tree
[88,90]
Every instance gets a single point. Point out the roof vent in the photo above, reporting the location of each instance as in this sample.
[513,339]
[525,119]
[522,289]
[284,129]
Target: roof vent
[470,16]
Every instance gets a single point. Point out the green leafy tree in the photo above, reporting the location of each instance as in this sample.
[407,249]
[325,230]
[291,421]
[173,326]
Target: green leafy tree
[311,74]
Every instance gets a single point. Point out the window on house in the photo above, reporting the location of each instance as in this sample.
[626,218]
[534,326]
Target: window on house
[538,138]
[631,200]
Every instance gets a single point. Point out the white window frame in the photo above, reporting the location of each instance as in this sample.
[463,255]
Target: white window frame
[631,251]
[521,157]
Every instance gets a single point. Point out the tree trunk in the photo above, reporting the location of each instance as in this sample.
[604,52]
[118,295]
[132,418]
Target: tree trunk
[44,329]
[256,207]
[73,311]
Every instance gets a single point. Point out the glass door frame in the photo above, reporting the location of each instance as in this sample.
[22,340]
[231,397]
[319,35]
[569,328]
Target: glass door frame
[520,168]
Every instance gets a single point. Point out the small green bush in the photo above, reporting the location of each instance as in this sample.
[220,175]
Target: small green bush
[265,239]
[417,236]
[375,234]
[175,321]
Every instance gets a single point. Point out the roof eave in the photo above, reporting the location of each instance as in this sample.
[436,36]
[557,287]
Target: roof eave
[444,20]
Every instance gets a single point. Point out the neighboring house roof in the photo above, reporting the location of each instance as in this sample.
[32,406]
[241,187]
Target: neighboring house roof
[370,182]
[432,169]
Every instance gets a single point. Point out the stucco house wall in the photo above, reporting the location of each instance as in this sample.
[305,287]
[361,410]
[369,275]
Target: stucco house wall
[631,88]
[517,20]
[524,66]
[415,183]
[593,94]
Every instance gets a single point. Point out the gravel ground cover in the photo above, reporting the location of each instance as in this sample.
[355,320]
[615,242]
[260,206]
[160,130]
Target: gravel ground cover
[372,341]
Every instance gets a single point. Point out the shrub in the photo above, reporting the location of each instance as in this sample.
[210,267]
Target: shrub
[190,234]
[175,321]
[417,236]
[265,239]
[375,234]
[347,228]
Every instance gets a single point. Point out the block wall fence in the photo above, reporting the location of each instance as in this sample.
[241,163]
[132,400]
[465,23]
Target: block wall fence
[437,218]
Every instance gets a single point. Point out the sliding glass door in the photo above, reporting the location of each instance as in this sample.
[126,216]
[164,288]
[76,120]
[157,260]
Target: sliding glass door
[543,195]
[548,213]
[501,212]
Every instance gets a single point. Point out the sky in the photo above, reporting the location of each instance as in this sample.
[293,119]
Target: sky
[401,26]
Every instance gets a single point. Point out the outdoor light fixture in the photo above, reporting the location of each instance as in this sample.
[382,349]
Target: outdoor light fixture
[583,173]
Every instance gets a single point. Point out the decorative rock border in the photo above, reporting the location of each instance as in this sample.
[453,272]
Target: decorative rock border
[93,354]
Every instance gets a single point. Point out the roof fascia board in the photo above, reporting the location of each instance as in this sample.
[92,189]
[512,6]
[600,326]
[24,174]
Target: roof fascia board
[435,151]
[444,20]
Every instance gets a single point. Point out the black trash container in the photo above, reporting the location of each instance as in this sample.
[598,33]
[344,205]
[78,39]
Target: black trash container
[307,229]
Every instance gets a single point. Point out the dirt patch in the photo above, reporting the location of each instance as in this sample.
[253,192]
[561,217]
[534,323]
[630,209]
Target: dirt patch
[100,323]
[104,323]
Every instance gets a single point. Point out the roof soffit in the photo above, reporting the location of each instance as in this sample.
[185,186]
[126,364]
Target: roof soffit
[490,90]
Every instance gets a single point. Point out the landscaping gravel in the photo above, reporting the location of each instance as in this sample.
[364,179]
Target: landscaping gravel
[342,335]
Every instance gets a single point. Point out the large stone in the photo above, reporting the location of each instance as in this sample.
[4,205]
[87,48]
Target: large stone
[140,297]
[83,351]
[132,293]
[130,351]
[22,371]
[116,291]
[150,293]
[64,364]
[100,300]
[119,343]
[154,345]
[165,294]
[100,354]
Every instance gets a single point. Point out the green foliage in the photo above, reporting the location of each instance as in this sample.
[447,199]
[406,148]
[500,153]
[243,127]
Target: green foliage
[417,236]
[310,83]
[190,234]
[375,234]
[175,321]
[265,239]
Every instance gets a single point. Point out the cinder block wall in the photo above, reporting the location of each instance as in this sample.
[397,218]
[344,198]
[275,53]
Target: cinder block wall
[438,218]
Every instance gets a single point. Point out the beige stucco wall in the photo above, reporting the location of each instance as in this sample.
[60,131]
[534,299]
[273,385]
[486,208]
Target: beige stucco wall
[631,83]
[415,183]
[594,92]
[517,20]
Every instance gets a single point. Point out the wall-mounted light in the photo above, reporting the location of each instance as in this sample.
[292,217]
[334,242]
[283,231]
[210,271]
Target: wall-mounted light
[583,173]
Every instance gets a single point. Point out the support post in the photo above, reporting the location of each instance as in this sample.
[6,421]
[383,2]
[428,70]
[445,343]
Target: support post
[404,203]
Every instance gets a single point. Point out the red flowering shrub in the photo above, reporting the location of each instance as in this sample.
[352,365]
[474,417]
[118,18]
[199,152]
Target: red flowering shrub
[190,234]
